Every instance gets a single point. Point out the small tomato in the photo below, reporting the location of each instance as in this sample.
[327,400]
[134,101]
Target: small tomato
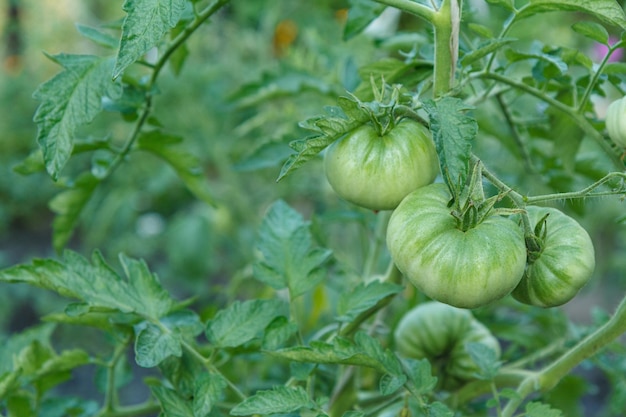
[564,265]
[616,122]
[377,172]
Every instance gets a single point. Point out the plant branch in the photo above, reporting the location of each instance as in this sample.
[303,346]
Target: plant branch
[446,23]
[596,76]
[584,193]
[550,376]
[412,7]
[578,118]
[515,133]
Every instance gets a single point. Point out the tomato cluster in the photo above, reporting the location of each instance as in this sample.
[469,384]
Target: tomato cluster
[466,267]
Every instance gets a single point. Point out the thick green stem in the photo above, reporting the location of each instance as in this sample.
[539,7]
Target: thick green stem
[550,376]
[446,23]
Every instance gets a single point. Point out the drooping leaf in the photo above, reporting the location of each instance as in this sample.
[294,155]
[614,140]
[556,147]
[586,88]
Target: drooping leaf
[608,11]
[243,321]
[153,345]
[360,15]
[453,132]
[363,297]
[96,283]
[209,389]
[337,122]
[289,259]
[97,36]
[187,166]
[592,30]
[280,400]
[68,206]
[146,22]
[172,404]
[69,100]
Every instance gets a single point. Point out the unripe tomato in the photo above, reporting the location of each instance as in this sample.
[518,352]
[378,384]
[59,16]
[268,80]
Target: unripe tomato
[616,121]
[564,265]
[377,172]
[439,333]
[464,269]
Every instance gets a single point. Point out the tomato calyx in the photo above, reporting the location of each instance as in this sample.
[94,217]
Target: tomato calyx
[468,203]
[535,241]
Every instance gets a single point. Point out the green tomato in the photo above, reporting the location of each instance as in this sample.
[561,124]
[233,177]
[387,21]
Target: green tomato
[377,172]
[564,265]
[616,121]
[439,333]
[464,269]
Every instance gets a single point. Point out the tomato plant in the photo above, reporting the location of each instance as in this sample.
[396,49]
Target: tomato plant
[464,268]
[562,266]
[377,170]
[191,140]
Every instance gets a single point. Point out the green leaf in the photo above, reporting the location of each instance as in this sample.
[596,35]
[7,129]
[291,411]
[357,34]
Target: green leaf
[338,122]
[362,298]
[32,164]
[288,258]
[372,348]
[453,132]
[592,30]
[209,389]
[145,24]
[537,409]
[608,11]
[69,100]
[96,283]
[537,53]
[172,404]
[485,358]
[243,321]
[98,37]
[280,400]
[389,384]
[153,345]
[184,322]
[68,206]
[360,15]
[12,346]
[185,163]
[393,71]
[484,49]
[438,409]
[507,4]
[420,373]
[279,331]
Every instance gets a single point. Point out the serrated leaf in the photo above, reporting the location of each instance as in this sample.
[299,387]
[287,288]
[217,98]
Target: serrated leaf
[537,409]
[608,11]
[13,345]
[289,259]
[68,206]
[209,389]
[420,373]
[453,132]
[362,298]
[372,348]
[279,331]
[146,22]
[310,146]
[172,404]
[360,15]
[187,166]
[153,345]
[97,36]
[96,283]
[184,322]
[438,409]
[485,358]
[389,384]
[484,49]
[243,321]
[592,30]
[280,400]
[69,100]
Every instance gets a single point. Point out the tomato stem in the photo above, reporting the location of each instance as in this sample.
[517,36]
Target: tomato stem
[552,374]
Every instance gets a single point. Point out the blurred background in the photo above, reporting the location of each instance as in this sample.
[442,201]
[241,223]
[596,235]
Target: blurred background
[253,72]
